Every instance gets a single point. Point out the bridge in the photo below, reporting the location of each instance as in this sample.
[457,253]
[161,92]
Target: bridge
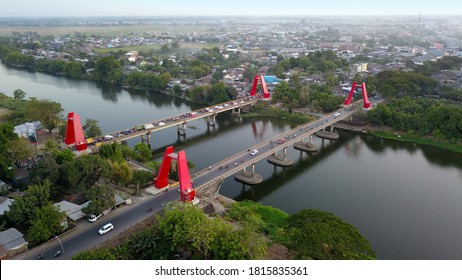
[211,177]
[270,148]
[208,181]
[74,134]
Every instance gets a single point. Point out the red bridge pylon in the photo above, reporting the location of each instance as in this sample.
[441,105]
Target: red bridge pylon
[253,91]
[347,101]
[74,133]
[187,193]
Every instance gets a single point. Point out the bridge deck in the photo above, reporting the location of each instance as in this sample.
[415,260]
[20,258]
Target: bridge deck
[156,125]
[243,159]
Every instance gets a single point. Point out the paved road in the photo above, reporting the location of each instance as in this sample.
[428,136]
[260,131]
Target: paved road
[87,234]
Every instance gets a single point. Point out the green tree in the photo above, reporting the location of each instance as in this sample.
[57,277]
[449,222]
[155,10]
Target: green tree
[143,151]
[175,45]
[63,156]
[46,224]
[164,49]
[112,152]
[91,128]
[321,235]
[19,150]
[50,147]
[121,172]
[7,134]
[24,208]
[217,94]
[177,90]
[101,198]
[108,69]
[19,94]
[46,111]
[186,225]
[85,172]
[142,177]
[74,69]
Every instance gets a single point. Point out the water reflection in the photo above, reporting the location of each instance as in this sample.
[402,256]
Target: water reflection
[434,155]
[109,92]
[282,176]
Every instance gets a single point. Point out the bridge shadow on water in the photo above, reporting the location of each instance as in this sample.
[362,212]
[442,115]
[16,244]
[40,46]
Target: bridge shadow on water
[280,178]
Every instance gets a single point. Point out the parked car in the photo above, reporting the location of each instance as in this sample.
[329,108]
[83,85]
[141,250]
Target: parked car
[92,218]
[106,228]
[282,140]
[253,152]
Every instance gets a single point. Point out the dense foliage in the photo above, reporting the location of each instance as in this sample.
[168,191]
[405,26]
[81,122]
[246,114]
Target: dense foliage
[184,231]
[264,109]
[214,94]
[321,235]
[424,116]
[7,135]
[317,62]
[400,84]
[36,210]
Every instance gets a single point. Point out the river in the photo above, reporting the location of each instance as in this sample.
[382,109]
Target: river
[406,199]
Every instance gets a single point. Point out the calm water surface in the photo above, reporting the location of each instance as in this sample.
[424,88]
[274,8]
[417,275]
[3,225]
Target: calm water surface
[406,199]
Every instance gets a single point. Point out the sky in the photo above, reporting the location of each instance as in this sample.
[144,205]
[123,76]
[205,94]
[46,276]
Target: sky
[77,8]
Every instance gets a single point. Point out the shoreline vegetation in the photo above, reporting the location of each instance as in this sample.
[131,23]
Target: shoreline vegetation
[419,139]
[268,111]
[243,230]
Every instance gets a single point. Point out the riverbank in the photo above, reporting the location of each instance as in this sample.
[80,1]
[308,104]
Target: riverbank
[389,133]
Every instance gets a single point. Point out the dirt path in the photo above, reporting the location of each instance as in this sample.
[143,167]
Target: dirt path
[4,112]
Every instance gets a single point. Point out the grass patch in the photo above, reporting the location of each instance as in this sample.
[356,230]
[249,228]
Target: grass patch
[266,219]
[453,147]
[183,45]
[263,109]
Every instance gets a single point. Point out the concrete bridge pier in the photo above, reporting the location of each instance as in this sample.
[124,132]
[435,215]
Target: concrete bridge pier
[181,138]
[330,135]
[237,111]
[211,120]
[146,138]
[249,178]
[282,161]
[306,146]
[181,129]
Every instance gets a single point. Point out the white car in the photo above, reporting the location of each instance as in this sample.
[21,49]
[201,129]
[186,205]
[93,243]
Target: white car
[337,114]
[253,152]
[105,229]
[108,137]
[93,218]
[161,123]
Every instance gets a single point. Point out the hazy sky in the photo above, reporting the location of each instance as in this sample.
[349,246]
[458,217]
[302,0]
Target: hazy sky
[52,8]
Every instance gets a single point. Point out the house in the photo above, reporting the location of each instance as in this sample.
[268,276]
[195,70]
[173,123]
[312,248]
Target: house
[5,204]
[73,211]
[12,242]
[229,78]
[4,186]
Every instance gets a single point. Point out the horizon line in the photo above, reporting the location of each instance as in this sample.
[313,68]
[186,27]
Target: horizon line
[213,16]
